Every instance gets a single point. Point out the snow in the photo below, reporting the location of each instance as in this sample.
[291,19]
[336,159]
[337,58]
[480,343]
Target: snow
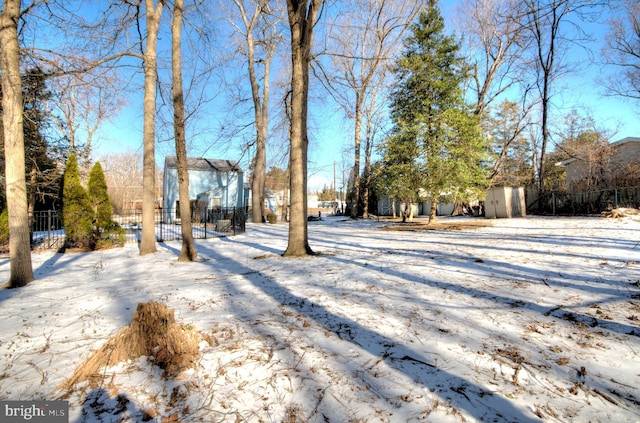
[528,319]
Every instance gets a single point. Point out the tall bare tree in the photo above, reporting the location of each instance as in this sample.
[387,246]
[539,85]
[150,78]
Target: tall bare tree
[623,50]
[21,271]
[303,16]
[368,34]
[148,241]
[188,252]
[373,117]
[261,37]
[505,126]
[553,26]
[83,102]
[496,37]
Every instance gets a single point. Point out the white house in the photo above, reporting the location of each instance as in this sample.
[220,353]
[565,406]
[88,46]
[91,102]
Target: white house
[217,182]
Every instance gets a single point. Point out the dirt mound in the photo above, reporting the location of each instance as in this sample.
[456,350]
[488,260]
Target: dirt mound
[154,333]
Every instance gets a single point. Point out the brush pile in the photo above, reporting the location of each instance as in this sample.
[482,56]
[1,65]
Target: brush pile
[620,212]
[154,333]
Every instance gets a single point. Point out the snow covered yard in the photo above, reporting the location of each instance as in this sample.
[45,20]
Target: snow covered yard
[531,319]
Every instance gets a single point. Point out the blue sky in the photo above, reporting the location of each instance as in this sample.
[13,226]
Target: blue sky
[331,136]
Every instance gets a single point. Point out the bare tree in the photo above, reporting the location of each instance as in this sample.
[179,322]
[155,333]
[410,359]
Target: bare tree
[374,113]
[623,50]
[189,252]
[588,146]
[123,173]
[82,103]
[148,241]
[553,26]
[259,31]
[368,33]
[511,153]
[21,271]
[496,38]
[303,16]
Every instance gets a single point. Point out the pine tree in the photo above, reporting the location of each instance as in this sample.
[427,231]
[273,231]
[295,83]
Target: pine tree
[97,190]
[106,232]
[43,179]
[428,110]
[77,214]
[402,174]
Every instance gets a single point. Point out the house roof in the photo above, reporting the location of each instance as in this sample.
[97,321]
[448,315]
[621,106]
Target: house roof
[613,144]
[194,163]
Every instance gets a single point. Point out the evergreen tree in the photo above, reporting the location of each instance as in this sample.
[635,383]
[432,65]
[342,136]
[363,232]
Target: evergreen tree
[42,173]
[327,194]
[43,178]
[77,213]
[403,173]
[97,190]
[428,111]
[106,232]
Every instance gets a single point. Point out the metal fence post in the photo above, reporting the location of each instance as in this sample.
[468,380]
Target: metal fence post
[49,226]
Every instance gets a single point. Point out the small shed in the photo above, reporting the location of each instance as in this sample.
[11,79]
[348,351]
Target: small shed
[505,202]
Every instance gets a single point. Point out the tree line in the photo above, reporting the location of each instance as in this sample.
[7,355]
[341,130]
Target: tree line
[445,114]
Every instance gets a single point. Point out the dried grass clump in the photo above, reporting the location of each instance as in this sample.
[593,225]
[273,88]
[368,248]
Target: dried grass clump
[154,333]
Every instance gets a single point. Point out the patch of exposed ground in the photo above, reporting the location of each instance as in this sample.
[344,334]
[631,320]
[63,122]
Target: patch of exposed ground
[448,225]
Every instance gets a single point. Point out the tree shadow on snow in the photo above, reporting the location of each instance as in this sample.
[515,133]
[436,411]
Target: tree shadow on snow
[99,406]
[477,401]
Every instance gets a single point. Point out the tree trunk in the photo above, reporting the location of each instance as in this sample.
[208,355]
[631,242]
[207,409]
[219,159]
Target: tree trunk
[148,241]
[260,102]
[286,196]
[258,180]
[355,190]
[33,181]
[368,149]
[188,252]
[21,271]
[260,160]
[433,211]
[301,23]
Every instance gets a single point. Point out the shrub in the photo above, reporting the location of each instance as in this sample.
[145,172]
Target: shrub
[106,232]
[272,218]
[77,213]
[113,235]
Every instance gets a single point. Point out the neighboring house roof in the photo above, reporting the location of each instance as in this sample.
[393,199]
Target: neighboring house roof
[194,163]
[613,144]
